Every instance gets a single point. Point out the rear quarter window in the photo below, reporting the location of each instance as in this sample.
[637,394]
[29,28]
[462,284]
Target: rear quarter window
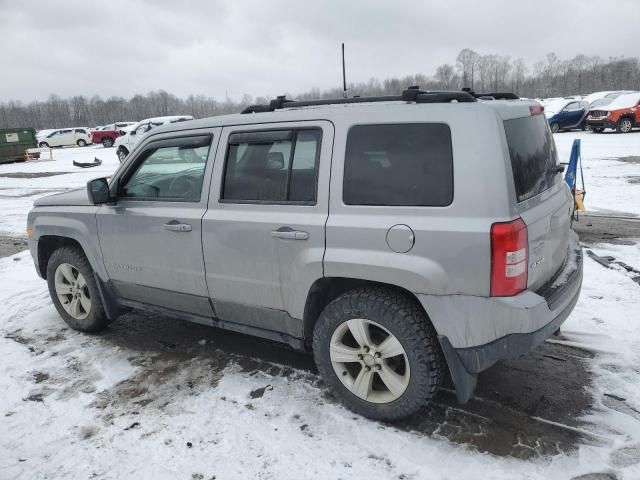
[533,155]
[399,165]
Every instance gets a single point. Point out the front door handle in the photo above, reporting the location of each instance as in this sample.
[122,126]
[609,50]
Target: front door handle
[174,226]
[288,233]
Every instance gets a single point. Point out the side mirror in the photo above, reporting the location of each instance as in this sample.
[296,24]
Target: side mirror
[98,191]
[275,161]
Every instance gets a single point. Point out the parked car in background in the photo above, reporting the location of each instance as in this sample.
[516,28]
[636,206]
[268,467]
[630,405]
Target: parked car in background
[132,134]
[14,142]
[65,137]
[622,114]
[564,114]
[107,135]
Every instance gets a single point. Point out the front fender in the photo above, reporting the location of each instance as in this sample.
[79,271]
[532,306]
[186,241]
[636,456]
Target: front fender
[76,223]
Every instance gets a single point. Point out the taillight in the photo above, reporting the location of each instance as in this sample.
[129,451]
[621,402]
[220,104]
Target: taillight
[536,109]
[509,258]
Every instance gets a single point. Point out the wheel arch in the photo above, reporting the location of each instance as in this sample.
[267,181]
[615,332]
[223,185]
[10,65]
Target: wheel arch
[47,244]
[324,290]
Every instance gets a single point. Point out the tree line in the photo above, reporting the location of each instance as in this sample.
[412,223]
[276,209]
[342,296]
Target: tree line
[550,77]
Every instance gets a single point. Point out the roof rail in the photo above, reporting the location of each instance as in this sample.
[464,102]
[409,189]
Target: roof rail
[411,94]
[492,96]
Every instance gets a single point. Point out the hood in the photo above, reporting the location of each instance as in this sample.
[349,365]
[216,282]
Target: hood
[70,198]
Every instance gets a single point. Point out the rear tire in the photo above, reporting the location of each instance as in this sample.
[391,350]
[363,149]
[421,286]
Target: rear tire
[395,367]
[624,125]
[107,142]
[81,143]
[74,291]
[555,128]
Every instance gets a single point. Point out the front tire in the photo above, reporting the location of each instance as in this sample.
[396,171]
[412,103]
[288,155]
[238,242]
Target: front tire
[81,143]
[624,125]
[122,154]
[107,142]
[74,291]
[555,128]
[43,145]
[378,352]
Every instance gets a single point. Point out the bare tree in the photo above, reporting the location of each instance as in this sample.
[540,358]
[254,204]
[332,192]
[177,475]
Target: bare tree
[466,64]
[445,75]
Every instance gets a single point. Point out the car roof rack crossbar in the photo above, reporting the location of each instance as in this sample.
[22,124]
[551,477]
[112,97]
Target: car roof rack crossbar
[493,95]
[411,94]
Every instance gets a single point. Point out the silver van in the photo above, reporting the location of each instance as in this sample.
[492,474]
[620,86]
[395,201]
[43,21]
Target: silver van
[400,239]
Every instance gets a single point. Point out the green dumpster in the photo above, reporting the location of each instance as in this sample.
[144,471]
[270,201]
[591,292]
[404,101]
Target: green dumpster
[14,142]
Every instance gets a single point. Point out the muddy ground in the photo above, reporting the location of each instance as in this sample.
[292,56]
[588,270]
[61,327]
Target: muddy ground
[526,407]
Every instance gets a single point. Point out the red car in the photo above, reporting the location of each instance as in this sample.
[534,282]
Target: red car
[622,114]
[107,135]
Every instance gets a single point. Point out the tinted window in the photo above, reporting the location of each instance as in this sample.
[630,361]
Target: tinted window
[400,164]
[80,130]
[533,155]
[272,166]
[171,172]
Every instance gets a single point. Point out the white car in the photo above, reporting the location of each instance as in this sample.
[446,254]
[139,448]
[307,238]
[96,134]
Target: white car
[64,137]
[132,134]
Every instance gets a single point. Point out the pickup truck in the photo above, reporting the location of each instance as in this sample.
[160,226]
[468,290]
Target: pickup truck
[107,135]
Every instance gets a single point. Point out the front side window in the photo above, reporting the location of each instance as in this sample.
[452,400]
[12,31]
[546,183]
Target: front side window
[572,107]
[272,166]
[399,165]
[169,172]
[80,130]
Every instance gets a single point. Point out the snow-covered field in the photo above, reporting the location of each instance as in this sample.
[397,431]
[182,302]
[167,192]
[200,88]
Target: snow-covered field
[82,406]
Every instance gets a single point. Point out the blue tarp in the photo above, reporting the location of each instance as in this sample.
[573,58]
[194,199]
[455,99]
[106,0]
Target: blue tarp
[572,168]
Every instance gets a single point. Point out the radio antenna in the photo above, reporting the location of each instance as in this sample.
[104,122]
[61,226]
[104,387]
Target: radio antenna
[344,75]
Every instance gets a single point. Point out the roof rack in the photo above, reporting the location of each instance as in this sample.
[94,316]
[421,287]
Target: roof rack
[492,96]
[411,94]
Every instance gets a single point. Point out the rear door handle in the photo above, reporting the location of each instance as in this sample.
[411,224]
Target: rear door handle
[287,233]
[174,226]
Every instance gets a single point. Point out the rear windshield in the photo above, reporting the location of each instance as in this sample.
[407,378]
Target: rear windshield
[533,155]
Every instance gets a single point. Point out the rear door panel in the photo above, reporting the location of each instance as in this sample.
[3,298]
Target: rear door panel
[251,274]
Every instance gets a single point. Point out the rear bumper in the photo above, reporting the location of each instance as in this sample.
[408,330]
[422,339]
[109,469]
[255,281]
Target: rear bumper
[545,309]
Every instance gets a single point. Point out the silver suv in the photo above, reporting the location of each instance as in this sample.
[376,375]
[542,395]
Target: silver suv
[401,239]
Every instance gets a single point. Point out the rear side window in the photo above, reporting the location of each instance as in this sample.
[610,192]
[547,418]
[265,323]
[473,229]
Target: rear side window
[273,166]
[399,165]
[533,155]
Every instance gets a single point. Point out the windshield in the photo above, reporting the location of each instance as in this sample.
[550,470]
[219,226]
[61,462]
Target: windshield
[601,102]
[551,107]
[625,101]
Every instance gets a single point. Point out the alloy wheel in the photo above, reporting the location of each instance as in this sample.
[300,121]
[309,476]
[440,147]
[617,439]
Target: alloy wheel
[625,125]
[369,361]
[72,291]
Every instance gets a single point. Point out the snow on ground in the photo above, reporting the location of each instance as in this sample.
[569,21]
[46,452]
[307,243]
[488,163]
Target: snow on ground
[77,406]
[607,179]
[18,194]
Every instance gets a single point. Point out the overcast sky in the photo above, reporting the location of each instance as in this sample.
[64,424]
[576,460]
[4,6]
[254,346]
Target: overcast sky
[261,47]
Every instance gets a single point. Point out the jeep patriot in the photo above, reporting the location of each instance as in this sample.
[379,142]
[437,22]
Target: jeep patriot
[401,239]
